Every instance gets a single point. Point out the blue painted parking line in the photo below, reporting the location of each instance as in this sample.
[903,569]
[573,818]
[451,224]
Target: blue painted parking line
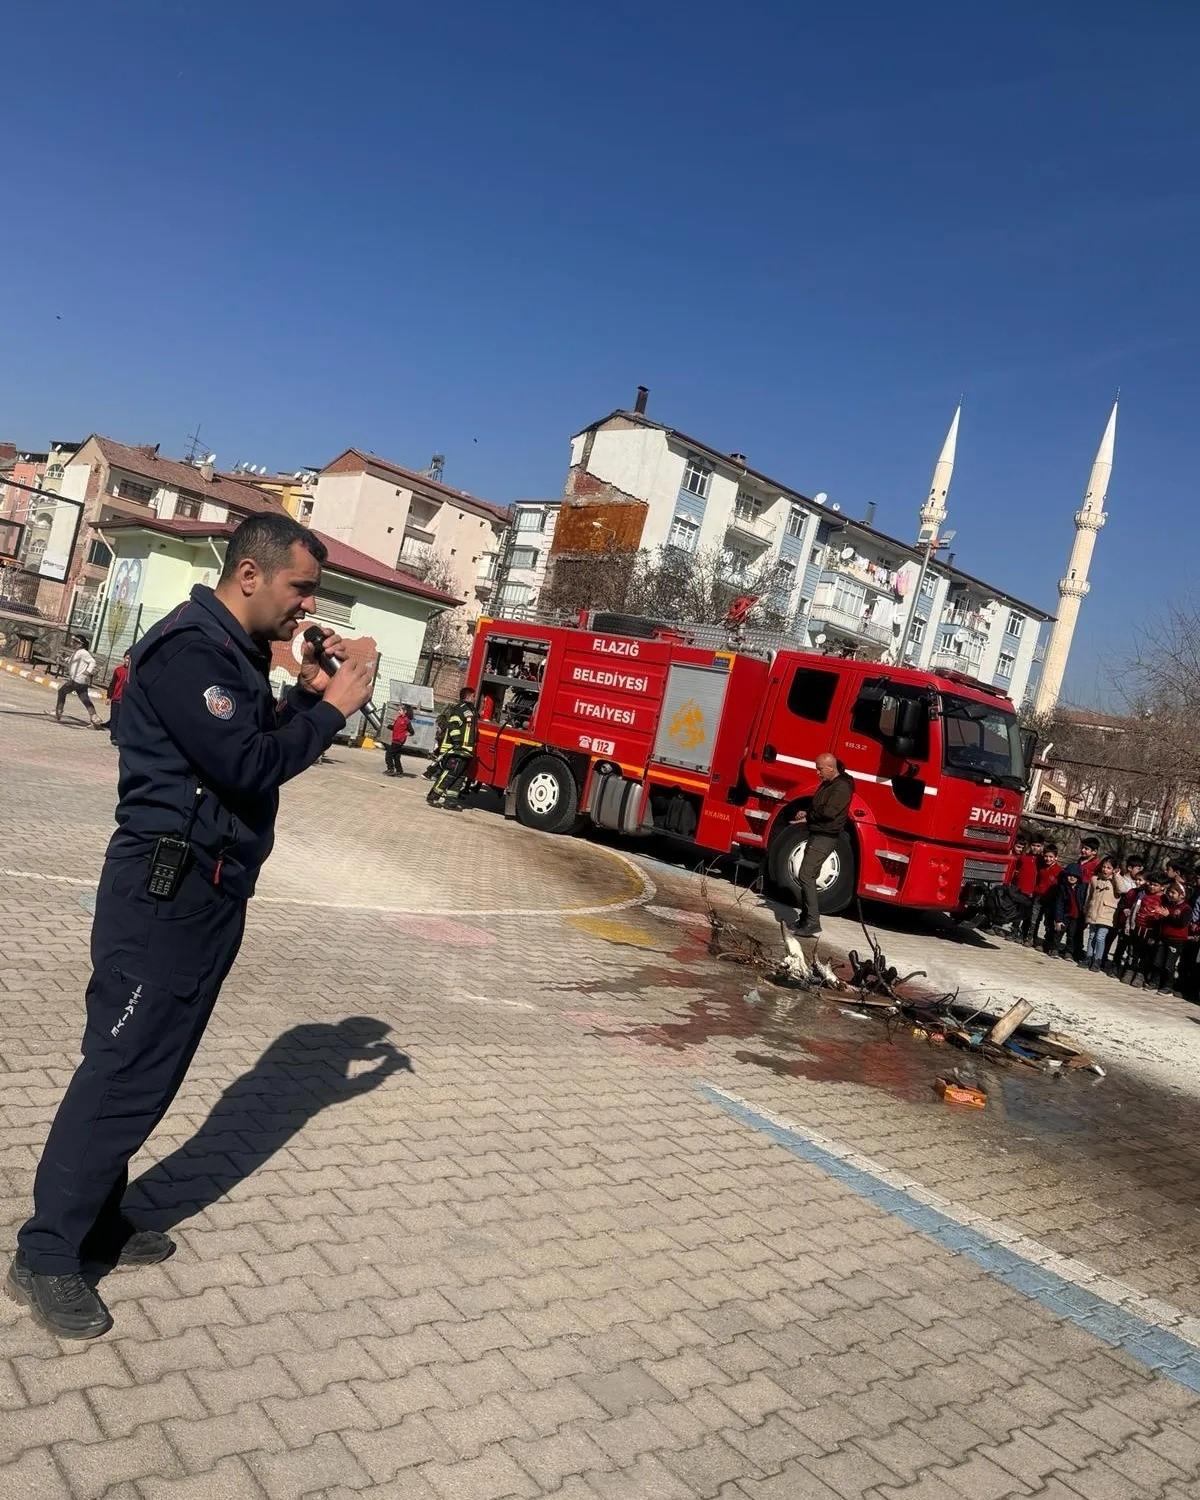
[1053,1281]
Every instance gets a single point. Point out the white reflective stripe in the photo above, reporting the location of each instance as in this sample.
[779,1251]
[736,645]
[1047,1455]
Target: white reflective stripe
[768,792]
[792,760]
[749,838]
[900,859]
[882,890]
[750,814]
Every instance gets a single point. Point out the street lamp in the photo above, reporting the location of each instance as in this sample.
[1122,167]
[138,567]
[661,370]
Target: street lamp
[934,544]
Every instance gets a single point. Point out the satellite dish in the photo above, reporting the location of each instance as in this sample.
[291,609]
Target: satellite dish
[835,506]
[960,637]
[820,497]
[819,640]
[211,459]
[847,553]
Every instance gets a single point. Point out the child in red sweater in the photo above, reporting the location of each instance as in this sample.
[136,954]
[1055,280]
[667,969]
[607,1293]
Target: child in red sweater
[1045,896]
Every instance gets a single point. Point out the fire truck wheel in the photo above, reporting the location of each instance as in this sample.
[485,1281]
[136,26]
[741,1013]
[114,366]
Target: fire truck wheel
[835,883]
[547,797]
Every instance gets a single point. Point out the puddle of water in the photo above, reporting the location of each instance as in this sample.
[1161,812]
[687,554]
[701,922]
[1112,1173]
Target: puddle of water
[799,1037]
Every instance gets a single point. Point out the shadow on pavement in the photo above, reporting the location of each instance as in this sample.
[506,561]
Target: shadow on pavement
[301,1073]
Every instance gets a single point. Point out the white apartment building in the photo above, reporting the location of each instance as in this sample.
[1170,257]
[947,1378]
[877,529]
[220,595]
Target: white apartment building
[406,519]
[514,573]
[847,585]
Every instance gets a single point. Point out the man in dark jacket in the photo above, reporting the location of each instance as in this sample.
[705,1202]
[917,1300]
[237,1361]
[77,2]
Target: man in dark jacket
[826,817]
[204,750]
[456,747]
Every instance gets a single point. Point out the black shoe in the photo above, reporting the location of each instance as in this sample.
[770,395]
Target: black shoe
[145,1247]
[807,929]
[64,1305]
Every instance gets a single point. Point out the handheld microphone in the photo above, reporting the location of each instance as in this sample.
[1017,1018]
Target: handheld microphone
[315,637]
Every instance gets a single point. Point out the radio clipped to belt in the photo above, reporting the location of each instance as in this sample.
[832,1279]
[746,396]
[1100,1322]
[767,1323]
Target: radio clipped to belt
[169,861]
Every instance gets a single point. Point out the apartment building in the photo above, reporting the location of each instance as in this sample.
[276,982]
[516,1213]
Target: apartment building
[407,520]
[846,585]
[515,572]
[113,480]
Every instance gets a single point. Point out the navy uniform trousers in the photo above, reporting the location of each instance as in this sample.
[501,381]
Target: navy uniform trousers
[157,968]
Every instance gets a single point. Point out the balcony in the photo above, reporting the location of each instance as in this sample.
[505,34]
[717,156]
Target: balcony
[970,620]
[951,661]
[856,625]
[880,579]
[414,559]
[419,535]
[755,529]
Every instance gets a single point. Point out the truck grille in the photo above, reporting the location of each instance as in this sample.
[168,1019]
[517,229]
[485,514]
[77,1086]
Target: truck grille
[984,872]
[997,835]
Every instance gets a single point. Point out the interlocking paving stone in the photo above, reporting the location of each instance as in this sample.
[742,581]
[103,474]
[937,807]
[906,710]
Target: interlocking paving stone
[540,1263]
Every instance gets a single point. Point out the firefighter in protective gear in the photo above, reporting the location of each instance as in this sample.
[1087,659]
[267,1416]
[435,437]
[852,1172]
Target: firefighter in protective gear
[456,748]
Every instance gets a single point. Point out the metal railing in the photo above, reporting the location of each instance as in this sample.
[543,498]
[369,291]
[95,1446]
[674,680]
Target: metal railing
[851,624]
[755,527]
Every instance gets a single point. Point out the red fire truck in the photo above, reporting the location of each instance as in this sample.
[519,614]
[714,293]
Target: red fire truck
[640,729]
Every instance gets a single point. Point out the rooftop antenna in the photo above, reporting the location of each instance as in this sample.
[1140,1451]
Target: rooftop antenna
[437,467]
[194,450]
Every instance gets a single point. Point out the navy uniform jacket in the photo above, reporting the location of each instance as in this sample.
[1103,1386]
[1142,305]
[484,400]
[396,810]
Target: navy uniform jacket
[198,716]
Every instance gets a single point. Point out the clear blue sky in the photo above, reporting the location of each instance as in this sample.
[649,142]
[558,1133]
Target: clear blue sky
[806,228]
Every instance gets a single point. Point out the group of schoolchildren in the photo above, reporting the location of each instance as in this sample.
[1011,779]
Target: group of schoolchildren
[1109,915]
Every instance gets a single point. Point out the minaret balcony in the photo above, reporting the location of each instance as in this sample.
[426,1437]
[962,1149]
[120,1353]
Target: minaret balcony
[1074,588]
[1090,520]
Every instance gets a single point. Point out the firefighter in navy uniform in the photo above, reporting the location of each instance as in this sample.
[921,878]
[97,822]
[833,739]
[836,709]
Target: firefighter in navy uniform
[204,749]
[455,751]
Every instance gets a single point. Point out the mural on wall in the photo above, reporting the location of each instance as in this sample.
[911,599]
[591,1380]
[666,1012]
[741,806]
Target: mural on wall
[124,593]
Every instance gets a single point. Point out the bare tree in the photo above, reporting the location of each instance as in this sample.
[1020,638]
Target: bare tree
[1148,754]
[447,633]
[672,585]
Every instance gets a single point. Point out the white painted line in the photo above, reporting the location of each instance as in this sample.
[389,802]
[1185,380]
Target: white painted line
[645,894]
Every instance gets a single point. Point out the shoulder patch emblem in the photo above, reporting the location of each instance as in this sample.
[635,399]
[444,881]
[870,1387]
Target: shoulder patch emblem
[219,702]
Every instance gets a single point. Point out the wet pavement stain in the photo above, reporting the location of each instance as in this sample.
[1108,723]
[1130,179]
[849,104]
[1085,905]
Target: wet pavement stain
[805,1037]
[613,930]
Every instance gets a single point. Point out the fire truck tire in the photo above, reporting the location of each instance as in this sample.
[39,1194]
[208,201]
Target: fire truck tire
[836,883]
[547,797]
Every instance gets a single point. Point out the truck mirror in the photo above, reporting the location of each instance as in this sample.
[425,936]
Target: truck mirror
[1029,742]
[889,716]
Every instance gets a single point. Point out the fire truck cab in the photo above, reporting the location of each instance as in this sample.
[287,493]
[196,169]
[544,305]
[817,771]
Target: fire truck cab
[653,732]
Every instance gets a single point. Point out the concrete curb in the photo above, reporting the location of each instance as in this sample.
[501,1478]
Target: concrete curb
[28,674]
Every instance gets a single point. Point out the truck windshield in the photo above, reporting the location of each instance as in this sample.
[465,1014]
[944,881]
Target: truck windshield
[981,741]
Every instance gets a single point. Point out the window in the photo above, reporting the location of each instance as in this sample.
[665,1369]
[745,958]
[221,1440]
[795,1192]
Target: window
[929,587]
[55,471]
[783,578]
[186,508]
[531,520]
[917,634]
[811,694]
[865,716]
[981,741]
[795,521]
[735,564]
[850,598]
[516,593]
[1004,667]
[130,489]
[747,507]
[697,476]
[1016,623]
[684,534]
[524,557]
[99,555]
[334,608]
